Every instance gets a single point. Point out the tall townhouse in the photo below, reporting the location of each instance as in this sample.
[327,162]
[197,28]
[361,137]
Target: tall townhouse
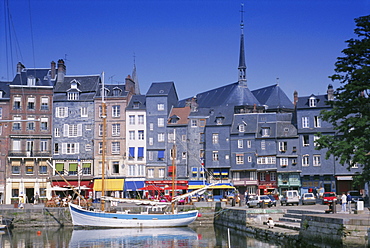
[116,98]
[4,134]
[73,129]
[317,171]
[160,99]
[136,141]
[30,133]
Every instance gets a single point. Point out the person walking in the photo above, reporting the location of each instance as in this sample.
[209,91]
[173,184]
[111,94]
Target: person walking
[36,199]
[344,202]
[349,201]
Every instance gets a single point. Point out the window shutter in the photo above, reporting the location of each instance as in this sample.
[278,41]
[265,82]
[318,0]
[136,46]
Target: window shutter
[64,148]
[65,111]
[57,112]
[65,130]
[77,147]
[79,129]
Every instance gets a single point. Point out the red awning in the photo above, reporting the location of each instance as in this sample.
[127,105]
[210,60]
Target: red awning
[88,184]
[176,187]
[171,168]
[151,187]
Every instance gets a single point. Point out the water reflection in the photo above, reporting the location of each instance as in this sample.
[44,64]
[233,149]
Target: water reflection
[199,236]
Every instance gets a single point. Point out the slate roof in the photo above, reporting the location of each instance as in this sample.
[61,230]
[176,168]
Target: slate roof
[226,112]
[160,89]
[111,88]
[87,87]
[4,86]
[42,77]
[303,102]
[274,97]
[140,100]
[231,94]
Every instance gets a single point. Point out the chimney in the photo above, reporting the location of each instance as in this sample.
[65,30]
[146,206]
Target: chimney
[52,71]
[330,92]
[20,67]
[129,84]
[194,104]
[295,97]
[61,71]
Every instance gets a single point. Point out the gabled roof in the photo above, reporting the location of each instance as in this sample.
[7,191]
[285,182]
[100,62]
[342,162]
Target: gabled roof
[180,113]
[42,77]
[111,88]
[303,102]
[273,97]
[87,87]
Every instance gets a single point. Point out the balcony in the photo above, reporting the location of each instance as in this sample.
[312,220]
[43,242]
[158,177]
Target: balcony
[29,154]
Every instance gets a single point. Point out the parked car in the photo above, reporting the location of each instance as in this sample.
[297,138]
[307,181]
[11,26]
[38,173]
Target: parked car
[273,200]
[308,198]
[259,201]
[329,197]
[290,197]
[356,196]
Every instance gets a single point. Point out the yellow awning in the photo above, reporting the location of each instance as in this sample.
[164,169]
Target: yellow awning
[222,187]
[109,184]
[195,186]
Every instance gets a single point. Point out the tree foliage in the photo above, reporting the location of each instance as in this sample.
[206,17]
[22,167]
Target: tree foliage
[350,111]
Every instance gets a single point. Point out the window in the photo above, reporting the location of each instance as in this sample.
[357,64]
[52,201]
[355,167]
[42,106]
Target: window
[273,176]
[140,119]
[44,123]
[161,155]
[263,145]
[115,147]
[305,160]
[305,123]
[160,106]
[249,143]
[306,140]
[31,123]
[140,153]
[140,135]
[150,155]
[141,170]
[312,101]
[56,148]
[219,120]
[61,112]
[115,167]
[16,168]
[194,172]
[266,160]
[194,123]
[116,129]
[131,170]
[17,102]
[86,168]
[262,176]
[161,173]
[241,128]
[72,130]
[249,159]
[100,147]
[236,175]
[31,81]
[56,132]
[283,146]
[16,125]
[150,173]
[240,143]
[215,138]
[31,103]
[59,167]
[43,145]
[131,119]
[201,138]
[131,153]
[202,122]
[283,162]
[151,126]
[183,155]
[72,96]
[84,112]
[315,138]
[16,145]
[88,147]
[160,122]
[265,131]
[29,167]
[316,160]
[131,135]
[43,169]
[70,148]
[117,92]
[239,158]
[161,137]
[150,141]
[1,112]
[116,111]
[215,156]
[100,129]
[44,103]
[183,138]
[317,120]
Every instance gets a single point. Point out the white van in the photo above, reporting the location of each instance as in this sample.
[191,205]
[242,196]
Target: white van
[290,197]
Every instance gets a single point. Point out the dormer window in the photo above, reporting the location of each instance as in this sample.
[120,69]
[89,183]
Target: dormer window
[312,101]
[265,131]
[241,128]
[1,94]
[117,92]
[219,119]
[72,96]
[174,119]
[136,105]
[31,81]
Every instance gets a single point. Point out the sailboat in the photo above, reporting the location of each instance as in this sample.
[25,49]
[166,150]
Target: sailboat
[154,216]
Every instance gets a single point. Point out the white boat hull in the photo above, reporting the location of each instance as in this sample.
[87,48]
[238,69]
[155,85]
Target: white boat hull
[83,217]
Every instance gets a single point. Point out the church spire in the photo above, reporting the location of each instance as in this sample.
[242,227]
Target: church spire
[134,78]
[242,67]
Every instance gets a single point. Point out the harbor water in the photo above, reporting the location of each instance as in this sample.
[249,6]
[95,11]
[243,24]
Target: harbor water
[200,236]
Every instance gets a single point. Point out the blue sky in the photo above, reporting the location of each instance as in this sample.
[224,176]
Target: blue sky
[194,43]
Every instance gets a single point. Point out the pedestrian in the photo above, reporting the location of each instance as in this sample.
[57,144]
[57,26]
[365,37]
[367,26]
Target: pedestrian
[21,202]
[344,202]
[349,201]
[270,223]
[36,199]
[246,196]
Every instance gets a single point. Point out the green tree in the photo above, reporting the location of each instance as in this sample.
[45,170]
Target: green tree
[350,112]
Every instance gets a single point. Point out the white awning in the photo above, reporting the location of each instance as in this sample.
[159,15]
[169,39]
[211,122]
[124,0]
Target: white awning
[344,178]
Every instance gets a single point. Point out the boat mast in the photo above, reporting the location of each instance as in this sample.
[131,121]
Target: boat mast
[173,177]
[104,117]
